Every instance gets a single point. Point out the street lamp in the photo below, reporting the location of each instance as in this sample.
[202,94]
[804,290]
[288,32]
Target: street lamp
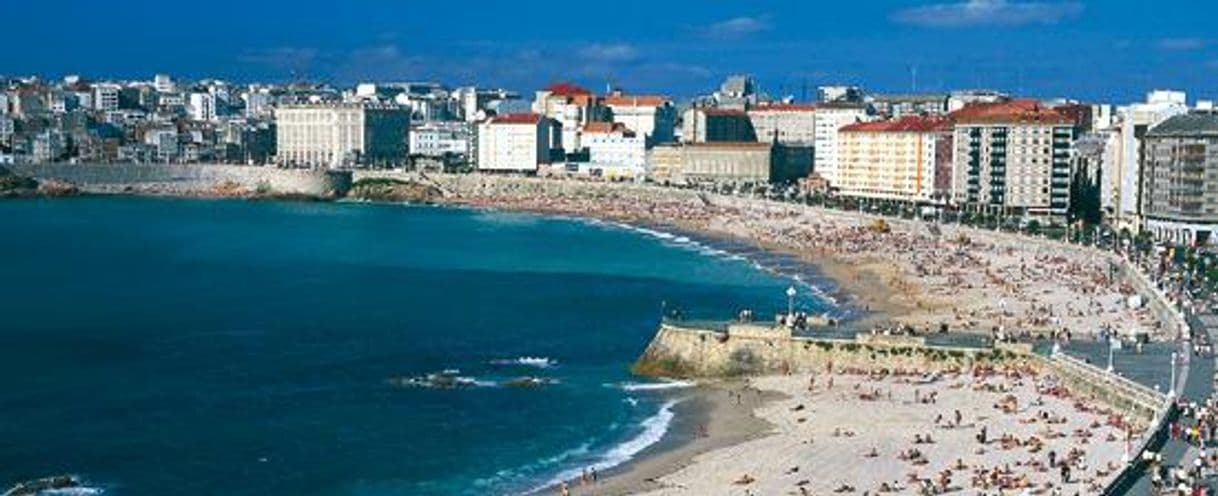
[790,303]
[1171,387]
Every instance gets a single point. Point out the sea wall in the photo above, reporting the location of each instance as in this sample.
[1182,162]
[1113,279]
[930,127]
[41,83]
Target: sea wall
[752,350]
[746,350]
[191,179]
[1170,319]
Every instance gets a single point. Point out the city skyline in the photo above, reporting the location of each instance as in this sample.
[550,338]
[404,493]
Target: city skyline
[1029,48]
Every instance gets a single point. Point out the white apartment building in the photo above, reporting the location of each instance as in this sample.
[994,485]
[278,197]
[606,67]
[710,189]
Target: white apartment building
[163,83]
[440,138]
[1120,193]
[257,102]
[570,106]
[785,123]
[907,159]
[615,150]
[831,117]
[7,128]
[342,135]
[652,117]
[164,141]
[202,107]
[105,96]
[514,143]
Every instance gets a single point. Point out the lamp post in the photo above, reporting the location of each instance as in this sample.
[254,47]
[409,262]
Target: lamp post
[790,303]
[1171,387]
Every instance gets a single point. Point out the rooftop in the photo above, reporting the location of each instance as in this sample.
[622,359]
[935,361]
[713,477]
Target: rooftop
[785,107]
[564,88]
[1015,111]
[1194,124]
[597,127]
[517,119]
[908,124]
[723,112]
[635,100]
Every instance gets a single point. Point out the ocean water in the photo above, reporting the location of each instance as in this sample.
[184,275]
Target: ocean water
[196,347]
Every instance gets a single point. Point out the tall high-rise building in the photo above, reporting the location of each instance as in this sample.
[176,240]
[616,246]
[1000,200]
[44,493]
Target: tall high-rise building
[1180,185]
[1121,189]
[1012,158]
[830,118]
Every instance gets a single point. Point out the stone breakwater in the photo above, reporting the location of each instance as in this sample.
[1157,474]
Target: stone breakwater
[746,350]
[206,180]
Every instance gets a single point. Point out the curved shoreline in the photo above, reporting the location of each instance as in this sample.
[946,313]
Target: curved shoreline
[869,283]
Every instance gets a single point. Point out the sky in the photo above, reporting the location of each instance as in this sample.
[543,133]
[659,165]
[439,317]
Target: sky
[1108,51]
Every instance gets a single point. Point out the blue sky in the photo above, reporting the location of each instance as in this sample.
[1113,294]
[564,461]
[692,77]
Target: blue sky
[1113,50]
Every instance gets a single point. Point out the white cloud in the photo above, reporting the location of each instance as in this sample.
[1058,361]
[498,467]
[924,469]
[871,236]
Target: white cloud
[988,13]
[738,27]
[609,52]
[1182,44]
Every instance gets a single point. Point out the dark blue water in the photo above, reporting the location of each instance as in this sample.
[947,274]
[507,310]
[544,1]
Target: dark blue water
[228,347]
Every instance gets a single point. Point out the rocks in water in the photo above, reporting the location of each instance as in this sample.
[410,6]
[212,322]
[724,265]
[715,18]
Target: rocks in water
[14,185]
[36,486]
[452,379]
[394,190]
[53,187]
[529,382]
[446,379]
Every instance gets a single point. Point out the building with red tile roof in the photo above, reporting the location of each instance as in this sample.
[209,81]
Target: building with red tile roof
[1013,158]
[907,124]
[907,159]
[1013,112]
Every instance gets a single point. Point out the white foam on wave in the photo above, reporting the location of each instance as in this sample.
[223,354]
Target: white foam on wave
[685,242]
[72,491]
[654,428]
[527,361]
[652,386]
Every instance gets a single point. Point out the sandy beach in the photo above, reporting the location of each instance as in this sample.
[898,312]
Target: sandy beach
[870,435]
[896,435]
[708,418]
[906,272]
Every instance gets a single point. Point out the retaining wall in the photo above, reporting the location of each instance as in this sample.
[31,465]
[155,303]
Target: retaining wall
[756,350]
[191,179]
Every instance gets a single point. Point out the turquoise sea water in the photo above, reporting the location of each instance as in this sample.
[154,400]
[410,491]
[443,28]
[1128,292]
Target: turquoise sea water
[190,347]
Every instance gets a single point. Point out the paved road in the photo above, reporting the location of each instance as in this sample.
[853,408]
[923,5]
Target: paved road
[1198,385]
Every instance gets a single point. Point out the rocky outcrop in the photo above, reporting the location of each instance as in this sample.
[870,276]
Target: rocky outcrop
[55,188]
[394,190]
[14,185]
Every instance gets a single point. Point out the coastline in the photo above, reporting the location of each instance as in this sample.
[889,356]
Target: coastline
[874,285]
[707,419]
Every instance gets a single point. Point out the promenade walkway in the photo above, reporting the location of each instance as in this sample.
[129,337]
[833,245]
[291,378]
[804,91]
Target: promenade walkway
[1195,383]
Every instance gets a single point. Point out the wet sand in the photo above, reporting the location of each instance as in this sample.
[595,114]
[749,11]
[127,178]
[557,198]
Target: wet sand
[707,419]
